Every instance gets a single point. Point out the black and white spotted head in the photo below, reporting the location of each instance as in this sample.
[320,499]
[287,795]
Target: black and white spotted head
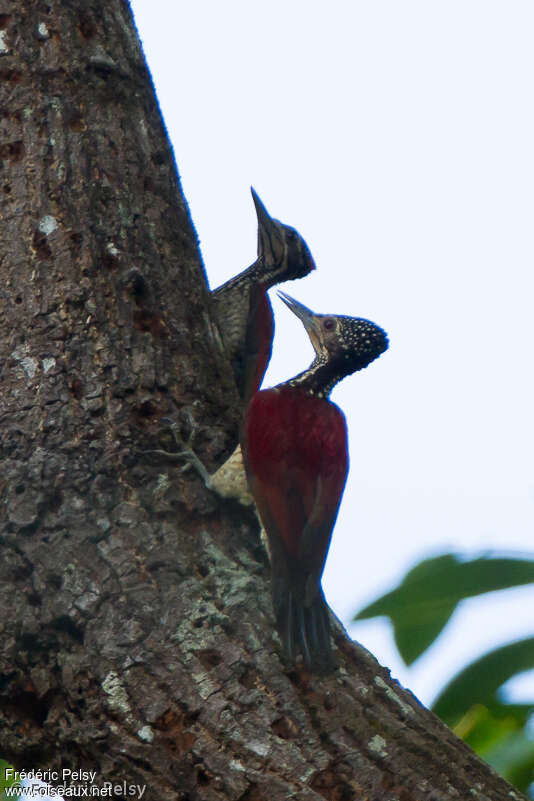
[342,344]
[283,255]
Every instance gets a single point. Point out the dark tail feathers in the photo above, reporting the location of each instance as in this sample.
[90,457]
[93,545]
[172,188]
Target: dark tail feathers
[303,625]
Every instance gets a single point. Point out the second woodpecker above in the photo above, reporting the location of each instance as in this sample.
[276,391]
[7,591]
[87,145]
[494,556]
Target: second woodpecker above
[242,308]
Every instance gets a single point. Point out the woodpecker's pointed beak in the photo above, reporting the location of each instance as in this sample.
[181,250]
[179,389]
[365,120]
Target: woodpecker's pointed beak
[305,315]
[271,245]
[307,318]
[265,220]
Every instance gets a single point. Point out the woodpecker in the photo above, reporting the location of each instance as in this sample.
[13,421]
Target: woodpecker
[294,443]
[245,324]
[242,308]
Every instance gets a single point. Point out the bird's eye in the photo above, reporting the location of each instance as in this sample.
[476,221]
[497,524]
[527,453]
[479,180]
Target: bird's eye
[329,324]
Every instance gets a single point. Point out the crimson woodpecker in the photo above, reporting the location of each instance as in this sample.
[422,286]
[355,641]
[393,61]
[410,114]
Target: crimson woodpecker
[294,444]
[242,308]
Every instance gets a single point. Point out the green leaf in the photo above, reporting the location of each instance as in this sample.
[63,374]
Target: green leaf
[482,728]
[422,604]
[479,681]
[499,735]
[6,782]
[513,758]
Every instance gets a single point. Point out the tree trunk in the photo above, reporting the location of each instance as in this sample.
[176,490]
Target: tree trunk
[137,631]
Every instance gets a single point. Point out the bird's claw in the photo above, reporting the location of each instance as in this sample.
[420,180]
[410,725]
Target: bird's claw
[186,451]
[174,427]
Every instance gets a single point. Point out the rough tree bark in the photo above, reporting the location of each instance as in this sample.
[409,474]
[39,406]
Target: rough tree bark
[137,632]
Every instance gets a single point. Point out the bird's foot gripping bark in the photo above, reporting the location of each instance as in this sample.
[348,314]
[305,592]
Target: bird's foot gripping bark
[185,452]
[228,481]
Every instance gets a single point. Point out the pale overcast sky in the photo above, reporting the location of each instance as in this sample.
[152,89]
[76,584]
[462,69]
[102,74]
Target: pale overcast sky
[398,138]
